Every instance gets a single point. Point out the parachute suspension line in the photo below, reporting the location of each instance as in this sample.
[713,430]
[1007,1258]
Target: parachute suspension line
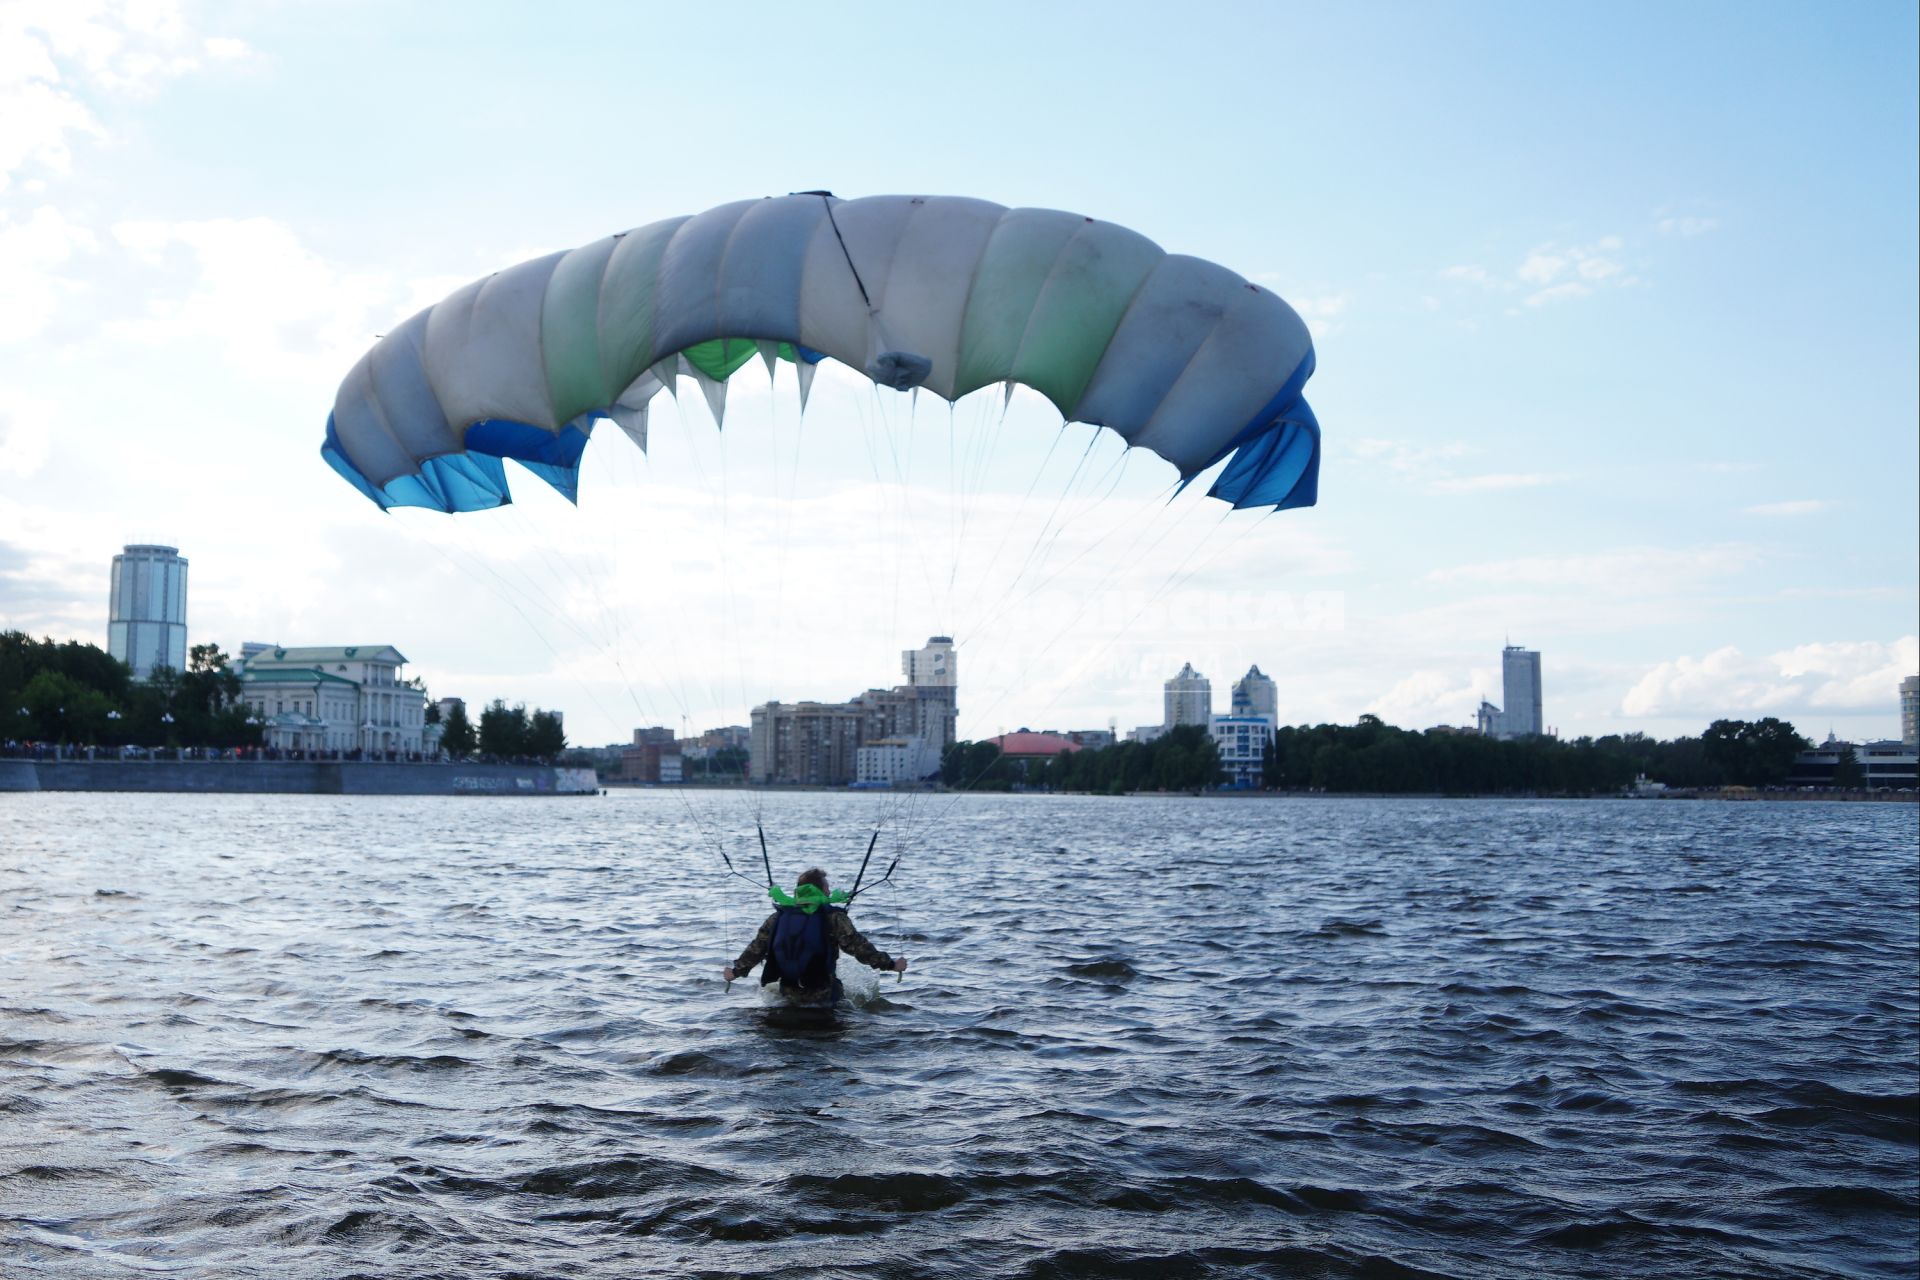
[505,591]
[834,222]
[1118,472]
[1006,529]
[1178,578]
[766,860]
[1027,562]
[862,874]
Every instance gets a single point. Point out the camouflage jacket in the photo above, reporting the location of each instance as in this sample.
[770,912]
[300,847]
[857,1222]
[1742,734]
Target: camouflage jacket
[845,936]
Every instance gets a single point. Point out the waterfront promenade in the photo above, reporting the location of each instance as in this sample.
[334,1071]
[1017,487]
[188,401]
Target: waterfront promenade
[294,777]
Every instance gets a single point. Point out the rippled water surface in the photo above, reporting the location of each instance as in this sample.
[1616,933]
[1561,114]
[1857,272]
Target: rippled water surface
[424,1037]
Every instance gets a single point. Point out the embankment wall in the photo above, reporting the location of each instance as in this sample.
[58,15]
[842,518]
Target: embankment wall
[291,777]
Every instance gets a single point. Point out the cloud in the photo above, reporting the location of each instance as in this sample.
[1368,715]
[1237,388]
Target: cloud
[1836,677]
[1430,697]
[1321,313]
[26,433]
[1432,465]
[1686,226]
[1632,571]
[30,252]
[1552,272]
[258,295]
[1798,507]
[1491,482]
[53,51]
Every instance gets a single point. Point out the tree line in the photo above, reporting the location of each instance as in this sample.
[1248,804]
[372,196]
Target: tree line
[78,694]
[1182,759]
[504,733]
[1372,756]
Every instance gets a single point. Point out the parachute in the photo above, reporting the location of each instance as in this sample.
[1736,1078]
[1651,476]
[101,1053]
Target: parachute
[1178,356]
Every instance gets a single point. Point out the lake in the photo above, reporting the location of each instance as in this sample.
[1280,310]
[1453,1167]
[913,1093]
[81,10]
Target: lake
[332,1036]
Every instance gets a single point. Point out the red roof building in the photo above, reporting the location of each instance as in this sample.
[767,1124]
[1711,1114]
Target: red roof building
[1026,744]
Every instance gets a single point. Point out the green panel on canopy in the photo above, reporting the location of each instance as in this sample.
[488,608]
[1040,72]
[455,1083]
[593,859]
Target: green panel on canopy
[1087,293]
[721,357]
[569,324]
[1006,284]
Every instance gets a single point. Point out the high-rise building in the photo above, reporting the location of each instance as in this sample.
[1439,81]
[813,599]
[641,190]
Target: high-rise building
[1910,711]
[1255,694]
[1189,698]
[1521,717]
[819,742]
[934,663]
[147,609]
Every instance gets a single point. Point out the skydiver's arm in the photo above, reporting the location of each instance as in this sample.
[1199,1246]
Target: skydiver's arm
[757,949]
[855,944]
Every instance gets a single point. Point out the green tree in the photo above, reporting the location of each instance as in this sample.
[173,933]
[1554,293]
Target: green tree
[458,739]
[1752,754]
[503,730]
[545,737]
[61,709]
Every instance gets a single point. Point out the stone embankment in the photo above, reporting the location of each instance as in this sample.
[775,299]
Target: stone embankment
[295,777]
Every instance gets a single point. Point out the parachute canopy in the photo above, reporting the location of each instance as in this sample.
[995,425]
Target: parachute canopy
[1176,355]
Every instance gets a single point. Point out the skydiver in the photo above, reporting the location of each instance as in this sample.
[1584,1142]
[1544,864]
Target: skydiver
[800,944]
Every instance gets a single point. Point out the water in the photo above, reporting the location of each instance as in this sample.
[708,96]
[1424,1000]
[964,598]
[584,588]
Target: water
[424,1037]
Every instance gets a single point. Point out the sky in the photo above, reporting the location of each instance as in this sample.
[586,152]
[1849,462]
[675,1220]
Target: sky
[1614,306]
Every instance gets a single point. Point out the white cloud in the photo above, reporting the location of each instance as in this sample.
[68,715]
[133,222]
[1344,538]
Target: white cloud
[259,295]
[30,253]
[1558,293]
[53,51]
[1686,226]
[26,432]
[1321,313]
[1797,507]
[1492,481]
[1632,571]
[1843,677]
[1552,272]
[1432,465]
[38,116]
[1430,697]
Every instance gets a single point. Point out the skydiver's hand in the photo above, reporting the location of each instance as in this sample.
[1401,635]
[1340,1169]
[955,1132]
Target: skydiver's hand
[900,965]
[727,973]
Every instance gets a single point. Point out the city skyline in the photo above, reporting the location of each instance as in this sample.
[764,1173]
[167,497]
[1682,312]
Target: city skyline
[1683,552]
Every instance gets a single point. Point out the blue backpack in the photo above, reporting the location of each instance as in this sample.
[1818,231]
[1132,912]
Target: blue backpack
[804,951]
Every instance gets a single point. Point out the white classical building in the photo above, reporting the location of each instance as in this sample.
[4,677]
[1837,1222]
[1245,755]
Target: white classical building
[1242,744]
[1189,698]
[334,698]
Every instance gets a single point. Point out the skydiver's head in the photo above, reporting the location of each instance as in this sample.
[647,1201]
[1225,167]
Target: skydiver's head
[815,877]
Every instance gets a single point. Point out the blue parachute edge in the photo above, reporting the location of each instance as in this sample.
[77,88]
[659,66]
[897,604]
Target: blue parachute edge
[476,479]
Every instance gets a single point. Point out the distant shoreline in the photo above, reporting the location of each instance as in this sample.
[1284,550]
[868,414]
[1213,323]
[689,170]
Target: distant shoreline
[294,777]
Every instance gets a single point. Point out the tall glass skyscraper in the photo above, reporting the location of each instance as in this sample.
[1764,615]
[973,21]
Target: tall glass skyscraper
[1520,676]
[147,609]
